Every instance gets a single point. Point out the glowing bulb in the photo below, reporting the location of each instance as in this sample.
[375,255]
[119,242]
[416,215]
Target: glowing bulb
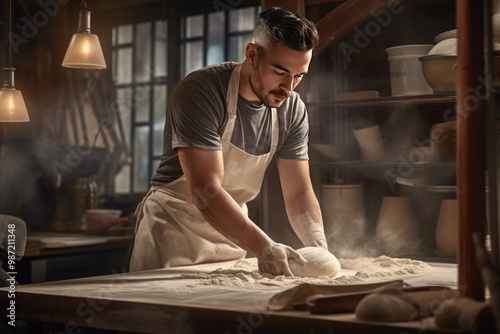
[86,47]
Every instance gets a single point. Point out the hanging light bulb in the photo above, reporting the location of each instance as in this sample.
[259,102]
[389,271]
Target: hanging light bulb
[84,50]
[12,106]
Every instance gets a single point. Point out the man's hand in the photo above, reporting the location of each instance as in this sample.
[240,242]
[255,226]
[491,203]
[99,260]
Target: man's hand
[274,259]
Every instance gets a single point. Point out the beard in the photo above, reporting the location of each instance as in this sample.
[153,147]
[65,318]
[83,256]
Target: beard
[273,98]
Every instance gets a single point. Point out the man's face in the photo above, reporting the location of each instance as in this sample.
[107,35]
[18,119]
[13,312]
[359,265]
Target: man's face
[277,73]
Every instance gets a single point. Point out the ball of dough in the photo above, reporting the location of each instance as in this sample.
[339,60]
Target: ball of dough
[387,307]
[320,262]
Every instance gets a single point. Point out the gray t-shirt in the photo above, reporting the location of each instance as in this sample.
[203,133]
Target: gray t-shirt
[197,116]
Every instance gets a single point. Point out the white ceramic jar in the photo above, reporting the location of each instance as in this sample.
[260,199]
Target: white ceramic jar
[406,70]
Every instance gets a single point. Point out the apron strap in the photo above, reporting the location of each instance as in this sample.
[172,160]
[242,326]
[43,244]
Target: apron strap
[232,102]
[275,127]
[232,105]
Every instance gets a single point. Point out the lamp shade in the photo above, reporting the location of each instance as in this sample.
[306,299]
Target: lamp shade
[84,50]
[12,107]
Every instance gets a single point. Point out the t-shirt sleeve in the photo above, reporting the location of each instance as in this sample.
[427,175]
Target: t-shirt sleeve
[196,112]
[296,136]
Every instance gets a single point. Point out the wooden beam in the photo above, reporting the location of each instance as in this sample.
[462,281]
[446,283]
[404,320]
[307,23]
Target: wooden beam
[471,141]
[345,17]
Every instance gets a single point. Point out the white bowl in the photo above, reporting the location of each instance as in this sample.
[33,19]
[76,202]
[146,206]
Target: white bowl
[101,216]
[453,34]
[408,50]
[446,35]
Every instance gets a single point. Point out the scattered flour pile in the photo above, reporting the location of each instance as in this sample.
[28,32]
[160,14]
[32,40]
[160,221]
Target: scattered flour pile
[354,271]
[384,265]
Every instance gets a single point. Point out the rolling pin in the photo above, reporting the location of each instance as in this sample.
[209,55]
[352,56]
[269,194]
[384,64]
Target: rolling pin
[347,302]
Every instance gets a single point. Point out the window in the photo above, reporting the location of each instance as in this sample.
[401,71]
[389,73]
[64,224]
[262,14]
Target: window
[226,39]
[140,75]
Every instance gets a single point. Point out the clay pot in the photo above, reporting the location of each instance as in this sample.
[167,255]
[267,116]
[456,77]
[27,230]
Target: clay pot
[397,230]
[447,228]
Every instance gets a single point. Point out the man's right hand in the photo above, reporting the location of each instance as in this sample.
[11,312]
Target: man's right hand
[274,259]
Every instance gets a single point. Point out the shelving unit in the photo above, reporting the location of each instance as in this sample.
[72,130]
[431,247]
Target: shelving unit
[397,173]
[341,20]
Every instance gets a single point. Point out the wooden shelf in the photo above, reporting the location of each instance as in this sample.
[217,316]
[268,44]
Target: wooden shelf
[383,164]
[422,100]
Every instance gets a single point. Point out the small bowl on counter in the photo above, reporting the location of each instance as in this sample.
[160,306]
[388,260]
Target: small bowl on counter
[99,221]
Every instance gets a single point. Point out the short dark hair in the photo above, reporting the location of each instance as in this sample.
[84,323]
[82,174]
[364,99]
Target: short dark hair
[286,27]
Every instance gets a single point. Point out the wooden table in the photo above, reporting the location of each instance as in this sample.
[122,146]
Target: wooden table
[177,301]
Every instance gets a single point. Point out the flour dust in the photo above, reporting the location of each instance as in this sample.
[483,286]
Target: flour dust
[354,271]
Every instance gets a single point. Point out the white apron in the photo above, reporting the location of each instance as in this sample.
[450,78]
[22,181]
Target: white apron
[172,232]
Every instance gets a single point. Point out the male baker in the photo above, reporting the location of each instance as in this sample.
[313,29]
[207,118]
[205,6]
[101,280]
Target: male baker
[225,123]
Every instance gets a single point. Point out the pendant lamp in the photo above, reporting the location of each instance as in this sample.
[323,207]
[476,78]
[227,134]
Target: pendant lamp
[12,106]
[84,50]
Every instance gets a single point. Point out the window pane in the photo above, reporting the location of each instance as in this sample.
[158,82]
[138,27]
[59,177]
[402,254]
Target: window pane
[125,34]
[143,52]
[241,19]
[159,121]
[124,66]
[160,68]
[114,68]
[236,48]
[194,26]
[124,104]
[141,159]
[142,103]
[216,23]
[122,181]
[114,38]
[193,57]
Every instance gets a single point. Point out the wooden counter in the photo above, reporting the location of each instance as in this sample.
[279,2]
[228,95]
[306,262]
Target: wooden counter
[53,243]
[53,256]
[178,301]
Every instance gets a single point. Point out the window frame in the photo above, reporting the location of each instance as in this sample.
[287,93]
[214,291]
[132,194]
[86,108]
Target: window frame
[174,15]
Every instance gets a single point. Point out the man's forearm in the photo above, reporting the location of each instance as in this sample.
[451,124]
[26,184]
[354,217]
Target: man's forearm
[309,230]
[305,218]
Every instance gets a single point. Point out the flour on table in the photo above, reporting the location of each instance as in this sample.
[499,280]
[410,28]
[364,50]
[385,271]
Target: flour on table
[361,270]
